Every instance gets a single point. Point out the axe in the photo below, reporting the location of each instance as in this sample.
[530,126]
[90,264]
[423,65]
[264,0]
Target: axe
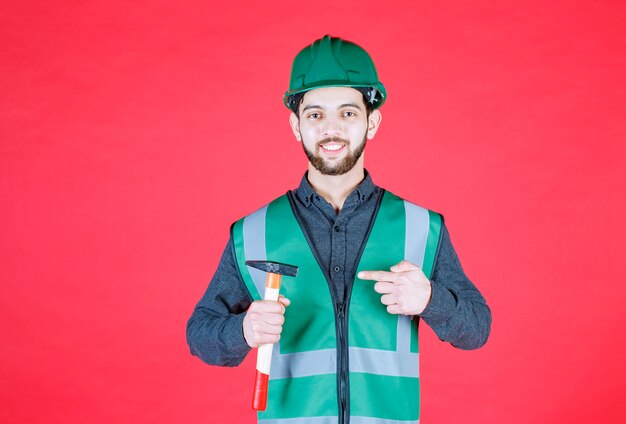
[275,271]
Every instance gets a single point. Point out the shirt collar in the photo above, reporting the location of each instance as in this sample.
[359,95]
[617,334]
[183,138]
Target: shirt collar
[364,190]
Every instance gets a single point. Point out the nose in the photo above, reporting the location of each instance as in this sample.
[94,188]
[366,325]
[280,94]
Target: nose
[332,127]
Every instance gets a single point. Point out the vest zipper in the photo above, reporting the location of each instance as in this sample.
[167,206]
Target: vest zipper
[343,324]
[342,353]
[341,310]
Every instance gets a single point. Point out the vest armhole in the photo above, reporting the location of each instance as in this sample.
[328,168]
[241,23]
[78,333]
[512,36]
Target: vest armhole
[234,253]
[438,246]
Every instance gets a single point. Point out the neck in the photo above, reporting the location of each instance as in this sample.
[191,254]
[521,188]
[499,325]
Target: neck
[336,188]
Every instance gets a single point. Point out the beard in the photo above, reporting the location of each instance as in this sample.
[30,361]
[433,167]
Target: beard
[339,167]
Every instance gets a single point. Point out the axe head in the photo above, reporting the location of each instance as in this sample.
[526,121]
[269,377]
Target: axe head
[274,267]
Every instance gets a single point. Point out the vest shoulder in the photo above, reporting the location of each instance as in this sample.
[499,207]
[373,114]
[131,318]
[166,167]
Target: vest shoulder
[263,209]
[395,197]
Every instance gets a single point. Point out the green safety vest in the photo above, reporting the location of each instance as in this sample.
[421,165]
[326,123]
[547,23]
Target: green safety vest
[348,362]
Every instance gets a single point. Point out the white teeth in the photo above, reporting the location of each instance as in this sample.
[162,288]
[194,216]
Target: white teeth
[333,147]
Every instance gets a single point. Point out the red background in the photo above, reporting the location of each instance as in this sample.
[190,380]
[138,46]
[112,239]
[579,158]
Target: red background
[133,134]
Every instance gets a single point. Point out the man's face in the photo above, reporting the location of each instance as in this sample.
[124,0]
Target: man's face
[333,128]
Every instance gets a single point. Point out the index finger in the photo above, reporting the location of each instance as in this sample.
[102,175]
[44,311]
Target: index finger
[378,276]
[272,306]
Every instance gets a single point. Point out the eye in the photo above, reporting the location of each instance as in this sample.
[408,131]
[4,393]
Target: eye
[314,115]
[349,114]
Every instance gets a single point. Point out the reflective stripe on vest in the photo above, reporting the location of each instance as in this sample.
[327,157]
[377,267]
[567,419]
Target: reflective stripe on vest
[382,348]
[333,420]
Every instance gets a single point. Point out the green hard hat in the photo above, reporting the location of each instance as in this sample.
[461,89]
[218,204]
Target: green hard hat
[333,62]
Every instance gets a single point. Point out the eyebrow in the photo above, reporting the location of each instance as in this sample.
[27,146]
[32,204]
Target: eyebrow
[311,107]
[340,107]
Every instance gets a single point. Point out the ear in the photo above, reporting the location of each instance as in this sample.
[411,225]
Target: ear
[373,122]
[295,126]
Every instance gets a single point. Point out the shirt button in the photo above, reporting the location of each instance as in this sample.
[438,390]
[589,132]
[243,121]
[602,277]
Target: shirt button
[337,228]
[337,269]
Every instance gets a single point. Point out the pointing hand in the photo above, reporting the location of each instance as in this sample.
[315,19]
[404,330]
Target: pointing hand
[405,290]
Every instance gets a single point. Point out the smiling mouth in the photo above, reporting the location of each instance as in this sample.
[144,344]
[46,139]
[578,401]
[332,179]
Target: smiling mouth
[332,147]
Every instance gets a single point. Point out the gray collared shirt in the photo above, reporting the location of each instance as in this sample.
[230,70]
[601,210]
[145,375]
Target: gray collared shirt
[337,237]
[457,312]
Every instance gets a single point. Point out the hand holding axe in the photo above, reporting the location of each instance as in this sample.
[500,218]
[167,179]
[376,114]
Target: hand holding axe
[275,271]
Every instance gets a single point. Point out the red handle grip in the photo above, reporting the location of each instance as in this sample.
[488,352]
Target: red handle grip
[259,396]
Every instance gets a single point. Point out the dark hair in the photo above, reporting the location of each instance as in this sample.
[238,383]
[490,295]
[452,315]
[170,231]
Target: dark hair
[296,99]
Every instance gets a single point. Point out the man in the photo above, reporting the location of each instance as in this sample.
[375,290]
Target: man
[371,265]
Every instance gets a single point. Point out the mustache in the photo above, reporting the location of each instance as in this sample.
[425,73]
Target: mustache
[334,140]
